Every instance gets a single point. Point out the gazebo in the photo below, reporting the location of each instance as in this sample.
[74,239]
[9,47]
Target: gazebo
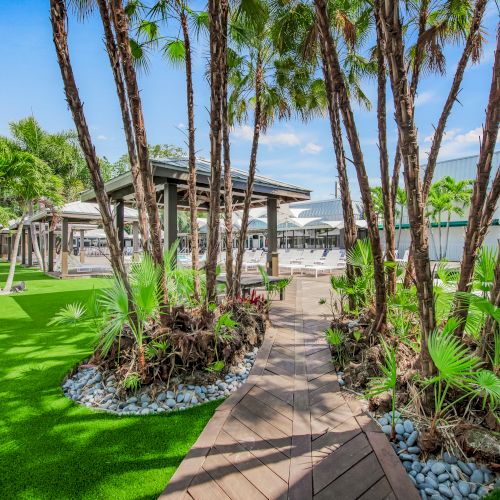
[77,216]
[171,181]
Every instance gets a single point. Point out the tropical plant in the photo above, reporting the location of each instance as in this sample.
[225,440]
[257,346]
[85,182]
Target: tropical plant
[223,330]
[273,287]
[70,314]
[484,270]
[455,367]
[146,296]
[487,387]
[336,339]
[132,381]
[387,382]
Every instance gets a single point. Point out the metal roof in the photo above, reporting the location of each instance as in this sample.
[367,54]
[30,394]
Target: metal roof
[175,170]
[80,211]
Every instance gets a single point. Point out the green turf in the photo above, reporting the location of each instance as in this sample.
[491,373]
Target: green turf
[51,448]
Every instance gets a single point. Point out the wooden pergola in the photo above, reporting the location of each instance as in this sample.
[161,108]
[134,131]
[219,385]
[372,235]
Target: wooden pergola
[171,181]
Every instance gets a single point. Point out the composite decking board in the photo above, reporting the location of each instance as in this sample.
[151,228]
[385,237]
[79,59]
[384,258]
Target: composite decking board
[234,484]
[263,478]
[355,481]
[340,461]
[203,487]
[268,454]
[274,402]
[292,435]
[265,412]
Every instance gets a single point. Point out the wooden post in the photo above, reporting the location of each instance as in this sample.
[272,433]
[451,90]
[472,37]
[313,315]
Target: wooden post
[135,237]
[50,266]
[120,222]
[82,246]
[64,248]
[272,237]
[169,215]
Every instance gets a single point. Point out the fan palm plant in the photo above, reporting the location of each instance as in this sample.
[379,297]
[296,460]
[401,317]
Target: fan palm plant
[455,367]
[146,296]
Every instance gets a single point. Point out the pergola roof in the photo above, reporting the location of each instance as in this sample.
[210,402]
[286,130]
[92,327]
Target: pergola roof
[78,211]
[175,171]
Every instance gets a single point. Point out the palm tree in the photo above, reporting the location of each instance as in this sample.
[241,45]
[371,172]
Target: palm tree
[117,69]
[58,16]
[26,179]
[251,82]
[334,73]
[438,202]
[460,193]
[217,21]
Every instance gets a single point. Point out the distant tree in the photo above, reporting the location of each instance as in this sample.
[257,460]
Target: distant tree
[27,179]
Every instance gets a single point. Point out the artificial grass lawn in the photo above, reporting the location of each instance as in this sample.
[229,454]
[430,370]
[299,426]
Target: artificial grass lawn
[51,448]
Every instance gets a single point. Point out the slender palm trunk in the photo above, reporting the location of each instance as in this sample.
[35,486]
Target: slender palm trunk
[389,229]
[251,173]
[400,224]
[333,63]
[120,22]
[482,205]
[350,229]
[122,36]
[13,257]
[447,238]
[193,205]
[471,44]
[114,60]
[34,241]
[387,14]
[58,16]
[440,236]
[228,192]
[218,41]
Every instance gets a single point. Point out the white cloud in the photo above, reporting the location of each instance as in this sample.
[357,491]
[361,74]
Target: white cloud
[455,143]
[424,98]
[245,132]
[102,137]
[312,148]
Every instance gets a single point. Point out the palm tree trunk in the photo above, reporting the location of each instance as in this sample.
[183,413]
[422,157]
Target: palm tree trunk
[400,224]
[472,44]
[120,22]
[114,60]
[352,134]
[251,173]
[482,206]
[58,15]
[350,229]
[440,237]
[193,205]
[218,31]
[387,14]
[34,240]
[389,229]
[122,36]
[13,257]
[228,192]
[447,235]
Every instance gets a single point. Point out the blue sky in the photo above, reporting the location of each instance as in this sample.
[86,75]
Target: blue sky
[291,151]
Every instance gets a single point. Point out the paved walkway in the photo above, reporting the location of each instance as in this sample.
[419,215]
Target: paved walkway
[289,433]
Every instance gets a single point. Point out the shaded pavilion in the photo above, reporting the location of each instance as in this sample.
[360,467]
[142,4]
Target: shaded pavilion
[75,216]
[171,182]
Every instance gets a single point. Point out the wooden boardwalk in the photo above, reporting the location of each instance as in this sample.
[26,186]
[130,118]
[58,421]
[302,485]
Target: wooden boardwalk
[289,433]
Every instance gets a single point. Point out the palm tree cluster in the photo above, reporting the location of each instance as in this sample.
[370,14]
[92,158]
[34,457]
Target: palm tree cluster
[273,59]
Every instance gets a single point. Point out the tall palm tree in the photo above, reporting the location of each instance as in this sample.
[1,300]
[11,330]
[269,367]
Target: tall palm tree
[331,61]
[217,21]
[58,17]
[117,69]
[251,81]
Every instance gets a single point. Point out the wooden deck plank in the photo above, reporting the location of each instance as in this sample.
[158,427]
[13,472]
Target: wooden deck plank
[380,490]
[273,458]
[203,487]
[234,484]
[274,402]
[263,478]
[355,481]
[265,412]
